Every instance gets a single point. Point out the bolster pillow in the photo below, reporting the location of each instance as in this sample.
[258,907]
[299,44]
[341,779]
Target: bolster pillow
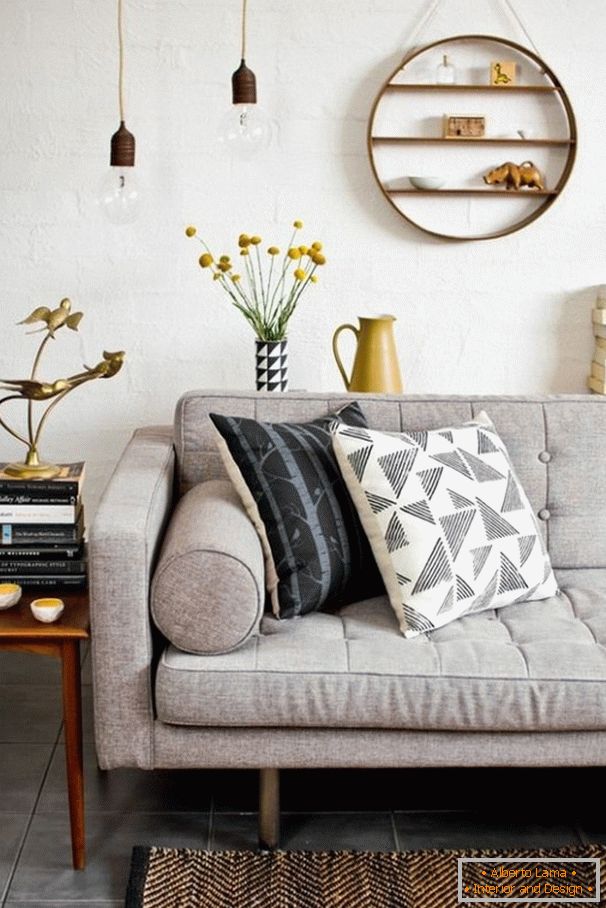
[208,590]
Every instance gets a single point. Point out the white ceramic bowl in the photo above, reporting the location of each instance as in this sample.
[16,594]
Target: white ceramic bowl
[47,610]
[427,182]
[10,594]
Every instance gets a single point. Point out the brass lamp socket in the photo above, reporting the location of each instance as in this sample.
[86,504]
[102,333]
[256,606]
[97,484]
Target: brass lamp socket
[122,148]
[244,85]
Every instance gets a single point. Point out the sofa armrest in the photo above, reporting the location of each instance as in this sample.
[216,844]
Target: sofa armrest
[208,590]
[124,541]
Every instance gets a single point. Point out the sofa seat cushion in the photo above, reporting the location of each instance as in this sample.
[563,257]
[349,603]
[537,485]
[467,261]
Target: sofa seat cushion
[531,666]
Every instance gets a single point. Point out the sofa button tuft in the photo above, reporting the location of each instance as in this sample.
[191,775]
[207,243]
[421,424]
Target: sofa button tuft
[544,514]
[544,456]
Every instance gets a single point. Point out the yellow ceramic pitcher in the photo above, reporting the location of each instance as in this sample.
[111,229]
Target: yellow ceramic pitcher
[375,366]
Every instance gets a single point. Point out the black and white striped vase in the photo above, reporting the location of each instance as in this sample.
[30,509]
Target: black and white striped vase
[272,365]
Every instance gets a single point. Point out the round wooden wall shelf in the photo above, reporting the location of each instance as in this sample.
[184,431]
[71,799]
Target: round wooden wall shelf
[531,118]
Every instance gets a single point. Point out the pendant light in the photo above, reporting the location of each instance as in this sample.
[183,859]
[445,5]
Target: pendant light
[119,195]
[244,129]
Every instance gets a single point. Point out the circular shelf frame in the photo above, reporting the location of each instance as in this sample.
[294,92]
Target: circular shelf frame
[549,197]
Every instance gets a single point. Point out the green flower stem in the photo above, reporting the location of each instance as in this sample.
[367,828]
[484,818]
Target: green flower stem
[263,298]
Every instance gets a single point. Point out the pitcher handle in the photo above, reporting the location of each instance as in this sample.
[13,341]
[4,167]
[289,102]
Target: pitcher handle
[346,380]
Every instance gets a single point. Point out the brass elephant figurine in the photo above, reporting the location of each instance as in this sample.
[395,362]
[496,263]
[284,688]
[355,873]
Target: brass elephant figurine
[516,175]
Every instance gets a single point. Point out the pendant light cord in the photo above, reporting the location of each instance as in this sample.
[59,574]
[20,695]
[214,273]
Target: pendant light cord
[244,6]
[120,61]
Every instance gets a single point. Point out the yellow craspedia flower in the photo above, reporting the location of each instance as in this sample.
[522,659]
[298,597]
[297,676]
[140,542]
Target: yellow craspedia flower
[318,258]
[314,278]
[235,278]
[300,274]
[217,276]
[205,260]
[303,250]
[298,225]
[294,254]
[273,250]
[224,258]
[255,240]
[244,252]
[243,241]
[190,231]
[224,266]
[317,246]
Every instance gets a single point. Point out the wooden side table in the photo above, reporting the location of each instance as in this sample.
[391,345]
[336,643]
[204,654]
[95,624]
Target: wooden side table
[19,631]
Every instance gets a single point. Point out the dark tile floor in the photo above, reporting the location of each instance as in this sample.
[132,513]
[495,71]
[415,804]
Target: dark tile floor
[381,810]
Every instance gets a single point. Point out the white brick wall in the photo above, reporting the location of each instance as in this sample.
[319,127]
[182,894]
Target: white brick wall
[505,316]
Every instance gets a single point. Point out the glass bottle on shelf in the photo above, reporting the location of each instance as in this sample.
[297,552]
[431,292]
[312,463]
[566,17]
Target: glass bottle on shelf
[446,73]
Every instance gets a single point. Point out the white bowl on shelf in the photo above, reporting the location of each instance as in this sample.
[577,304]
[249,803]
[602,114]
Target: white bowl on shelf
[426,182]
[47,610]
[10,594]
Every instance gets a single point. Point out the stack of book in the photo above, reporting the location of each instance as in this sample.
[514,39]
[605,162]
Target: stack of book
[42,530]
[597,379]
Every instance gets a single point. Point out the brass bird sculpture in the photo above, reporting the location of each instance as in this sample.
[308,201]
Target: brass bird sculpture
[35,390]
[31,389]
[54,318]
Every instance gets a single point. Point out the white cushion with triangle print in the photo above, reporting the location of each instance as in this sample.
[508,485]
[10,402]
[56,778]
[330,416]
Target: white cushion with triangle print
[450,526]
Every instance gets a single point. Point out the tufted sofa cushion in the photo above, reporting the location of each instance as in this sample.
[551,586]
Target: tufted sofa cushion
[533,666]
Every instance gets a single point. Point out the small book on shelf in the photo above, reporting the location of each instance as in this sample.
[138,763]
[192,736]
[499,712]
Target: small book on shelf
[595,384]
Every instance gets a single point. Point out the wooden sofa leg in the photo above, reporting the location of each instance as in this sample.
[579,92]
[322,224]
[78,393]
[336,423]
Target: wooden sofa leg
[269,809]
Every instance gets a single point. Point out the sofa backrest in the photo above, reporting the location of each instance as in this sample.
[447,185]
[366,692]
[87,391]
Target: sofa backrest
[556,444]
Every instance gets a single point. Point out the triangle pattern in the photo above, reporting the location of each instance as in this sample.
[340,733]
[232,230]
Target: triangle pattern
[479,557]
[526,545]
[454,461]
[485,444]
[456,527]
[419,509]
[417,438]
[416,621]
[430,479]
[436,570]
[449,601]
[459,501]
[358,460]
[496,527]
[447,435]
[356,432]
[511,579]
[378,503]
[526,595]
[464,591]
[402,580]
[482,471]
[397,466]
[484,599]
[395,536]
[512,500]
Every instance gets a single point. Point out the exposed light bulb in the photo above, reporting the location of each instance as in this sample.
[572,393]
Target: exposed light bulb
[244,130]
[120,196]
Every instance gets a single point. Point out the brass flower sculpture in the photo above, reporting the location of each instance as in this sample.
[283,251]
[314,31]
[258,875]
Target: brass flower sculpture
[31,389]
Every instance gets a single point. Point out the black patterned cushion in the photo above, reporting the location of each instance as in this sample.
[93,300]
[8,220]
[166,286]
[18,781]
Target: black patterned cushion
[286,475]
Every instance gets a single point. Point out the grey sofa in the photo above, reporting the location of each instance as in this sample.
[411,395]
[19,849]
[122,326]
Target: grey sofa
[521,686]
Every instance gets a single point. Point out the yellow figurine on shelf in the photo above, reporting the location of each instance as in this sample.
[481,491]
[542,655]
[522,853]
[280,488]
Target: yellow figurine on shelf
[31,389]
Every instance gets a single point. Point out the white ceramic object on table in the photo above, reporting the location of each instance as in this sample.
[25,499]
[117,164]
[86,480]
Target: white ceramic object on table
[10,594]
[47,610]
[427,182]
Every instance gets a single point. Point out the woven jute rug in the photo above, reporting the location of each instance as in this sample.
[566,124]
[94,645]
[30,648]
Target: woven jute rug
[184,878]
